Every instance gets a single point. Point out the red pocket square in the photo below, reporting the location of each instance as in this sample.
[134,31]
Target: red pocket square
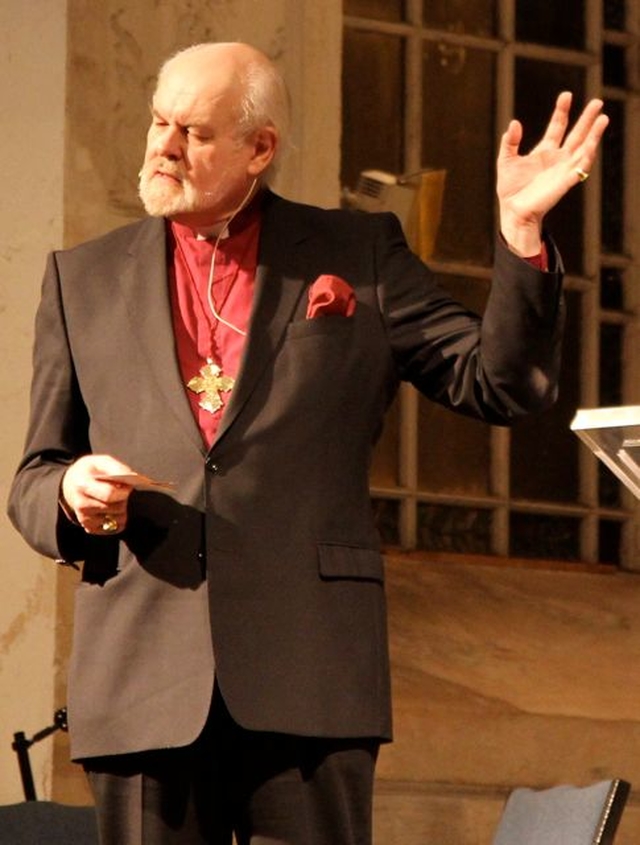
[330,295]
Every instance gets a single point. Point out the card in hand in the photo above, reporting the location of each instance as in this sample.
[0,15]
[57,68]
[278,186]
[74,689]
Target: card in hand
[138,481]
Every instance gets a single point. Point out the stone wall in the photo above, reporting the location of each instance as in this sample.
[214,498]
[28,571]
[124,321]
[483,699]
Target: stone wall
[31,223]
[115,50]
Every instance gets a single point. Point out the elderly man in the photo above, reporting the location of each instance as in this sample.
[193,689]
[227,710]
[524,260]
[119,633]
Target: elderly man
[208,385]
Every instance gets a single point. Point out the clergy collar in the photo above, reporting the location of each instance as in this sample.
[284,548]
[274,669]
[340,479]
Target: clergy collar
[222,230]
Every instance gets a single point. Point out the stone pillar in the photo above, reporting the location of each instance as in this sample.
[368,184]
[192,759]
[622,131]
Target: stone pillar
[32,66]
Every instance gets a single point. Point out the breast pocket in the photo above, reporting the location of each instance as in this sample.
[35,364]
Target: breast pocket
[334,324]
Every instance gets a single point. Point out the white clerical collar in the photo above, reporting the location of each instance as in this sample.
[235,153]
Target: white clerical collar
[221,231]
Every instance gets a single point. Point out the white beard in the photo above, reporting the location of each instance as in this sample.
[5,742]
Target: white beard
[165,200]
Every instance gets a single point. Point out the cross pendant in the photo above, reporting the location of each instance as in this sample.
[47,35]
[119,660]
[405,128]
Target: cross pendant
[210,382]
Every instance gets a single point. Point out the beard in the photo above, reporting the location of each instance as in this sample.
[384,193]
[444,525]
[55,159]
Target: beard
[178,196]
[161,198]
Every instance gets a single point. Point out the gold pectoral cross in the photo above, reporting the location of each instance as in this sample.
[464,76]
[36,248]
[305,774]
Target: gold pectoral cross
[211,383]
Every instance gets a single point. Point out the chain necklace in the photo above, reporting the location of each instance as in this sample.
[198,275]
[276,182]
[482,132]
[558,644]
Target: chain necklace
[210,382]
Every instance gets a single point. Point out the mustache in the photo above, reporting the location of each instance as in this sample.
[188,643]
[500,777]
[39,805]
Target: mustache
[167,168]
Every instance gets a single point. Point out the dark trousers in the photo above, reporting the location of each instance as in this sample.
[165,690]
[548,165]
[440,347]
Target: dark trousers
[264,788]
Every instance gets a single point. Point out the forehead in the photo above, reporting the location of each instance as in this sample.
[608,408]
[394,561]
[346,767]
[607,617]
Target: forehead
[191,90]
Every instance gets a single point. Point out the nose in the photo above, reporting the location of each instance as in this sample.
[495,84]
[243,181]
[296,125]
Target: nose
[167,141]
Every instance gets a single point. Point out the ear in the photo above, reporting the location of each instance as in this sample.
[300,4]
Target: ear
[264,142]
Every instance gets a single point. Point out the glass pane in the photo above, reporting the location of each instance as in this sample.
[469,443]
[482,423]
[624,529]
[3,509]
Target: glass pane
[373,95]
[454,452]
[614,14]
[612,155]
[386,514]
[558,24]
[611,289]
[545,537]
[477,17]
[382,10]
[384,468]
[449,529]
[458,135]
[610,365]
[537,86]
[610,541]
[614,65]
[544,450]
[609,488]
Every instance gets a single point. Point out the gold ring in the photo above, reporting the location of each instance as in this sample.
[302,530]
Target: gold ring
[582,174]
[109,524]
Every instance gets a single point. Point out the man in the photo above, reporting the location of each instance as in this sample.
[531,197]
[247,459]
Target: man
[208,384]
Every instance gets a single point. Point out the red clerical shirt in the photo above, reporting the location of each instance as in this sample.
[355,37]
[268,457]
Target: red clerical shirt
[200,335]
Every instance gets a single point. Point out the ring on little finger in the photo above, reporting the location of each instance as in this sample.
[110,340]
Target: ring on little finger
[109,524]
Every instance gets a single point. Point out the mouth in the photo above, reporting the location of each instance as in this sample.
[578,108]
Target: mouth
[165,171]
[167,175]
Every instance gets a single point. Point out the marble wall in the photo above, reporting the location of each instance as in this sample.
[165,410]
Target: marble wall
[32,101]
[114,53]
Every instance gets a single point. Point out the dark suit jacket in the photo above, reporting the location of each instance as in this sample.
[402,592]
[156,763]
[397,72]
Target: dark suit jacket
[267,554]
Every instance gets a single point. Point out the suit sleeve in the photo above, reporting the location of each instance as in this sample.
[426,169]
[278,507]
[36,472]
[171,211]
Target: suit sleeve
[495,367]
[57,434]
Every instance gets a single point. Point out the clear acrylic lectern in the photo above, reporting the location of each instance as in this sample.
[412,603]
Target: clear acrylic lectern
[613,435]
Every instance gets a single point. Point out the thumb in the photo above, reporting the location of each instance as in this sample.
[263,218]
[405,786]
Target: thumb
[510,141]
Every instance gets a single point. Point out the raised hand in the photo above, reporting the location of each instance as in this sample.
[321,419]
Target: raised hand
[528,186]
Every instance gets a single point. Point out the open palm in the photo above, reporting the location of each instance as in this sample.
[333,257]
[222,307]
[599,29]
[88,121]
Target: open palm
[528,186]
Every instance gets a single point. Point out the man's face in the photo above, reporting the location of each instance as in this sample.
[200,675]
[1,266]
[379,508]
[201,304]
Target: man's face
[197,169]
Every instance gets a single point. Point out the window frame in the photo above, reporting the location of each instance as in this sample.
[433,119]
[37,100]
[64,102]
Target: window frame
[588,509]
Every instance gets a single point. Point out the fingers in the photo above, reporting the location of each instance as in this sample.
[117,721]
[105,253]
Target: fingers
[510,141]
[108,523]
[98,505]
[588,127]
[553,135]
[529,185]
[576,150]
[559,121]
[583,156]
[101,517]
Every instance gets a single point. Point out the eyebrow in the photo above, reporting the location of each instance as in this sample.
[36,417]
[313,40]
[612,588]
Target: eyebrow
[192,124]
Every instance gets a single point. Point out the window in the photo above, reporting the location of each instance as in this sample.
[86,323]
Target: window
[433,83]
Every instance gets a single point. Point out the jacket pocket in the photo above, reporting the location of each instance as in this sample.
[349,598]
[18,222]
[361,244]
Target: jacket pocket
[333,324]
[337,560]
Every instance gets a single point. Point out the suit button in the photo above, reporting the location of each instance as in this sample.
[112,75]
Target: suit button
[212,466]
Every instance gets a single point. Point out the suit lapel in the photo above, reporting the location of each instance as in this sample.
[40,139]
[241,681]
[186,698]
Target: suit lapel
[281,279]
[146,289]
